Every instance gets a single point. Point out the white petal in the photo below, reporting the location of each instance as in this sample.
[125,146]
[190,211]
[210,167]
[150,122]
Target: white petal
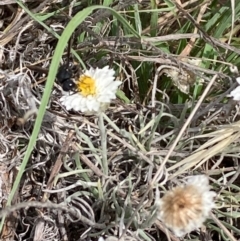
[235,93]
[238,80]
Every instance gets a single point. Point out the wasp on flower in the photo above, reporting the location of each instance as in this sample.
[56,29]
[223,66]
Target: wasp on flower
[94,91]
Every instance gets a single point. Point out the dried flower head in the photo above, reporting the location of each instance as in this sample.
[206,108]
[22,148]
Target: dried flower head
[185,208]
[95,90]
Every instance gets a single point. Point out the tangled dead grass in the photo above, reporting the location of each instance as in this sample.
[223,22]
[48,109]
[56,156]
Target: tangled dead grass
[64,194]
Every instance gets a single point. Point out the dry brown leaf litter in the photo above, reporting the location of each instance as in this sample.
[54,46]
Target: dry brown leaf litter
[132,164]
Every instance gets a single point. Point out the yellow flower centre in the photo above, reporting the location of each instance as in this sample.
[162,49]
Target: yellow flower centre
[86,85]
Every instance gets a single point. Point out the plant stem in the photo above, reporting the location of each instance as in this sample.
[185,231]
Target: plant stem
[102,129]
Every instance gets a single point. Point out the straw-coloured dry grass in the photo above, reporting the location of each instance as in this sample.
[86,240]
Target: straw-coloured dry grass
[172,118]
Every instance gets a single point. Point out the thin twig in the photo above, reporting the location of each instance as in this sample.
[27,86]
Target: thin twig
[188,121]
[57,165]
[221,226]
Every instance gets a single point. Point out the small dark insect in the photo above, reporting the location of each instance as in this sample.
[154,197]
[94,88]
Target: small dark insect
[64,77]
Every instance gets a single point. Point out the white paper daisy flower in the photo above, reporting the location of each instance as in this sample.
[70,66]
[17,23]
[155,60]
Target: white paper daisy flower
[95,90]
[185,208]
[236,92]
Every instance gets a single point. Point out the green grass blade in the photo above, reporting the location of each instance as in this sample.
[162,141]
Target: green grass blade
[62,43]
